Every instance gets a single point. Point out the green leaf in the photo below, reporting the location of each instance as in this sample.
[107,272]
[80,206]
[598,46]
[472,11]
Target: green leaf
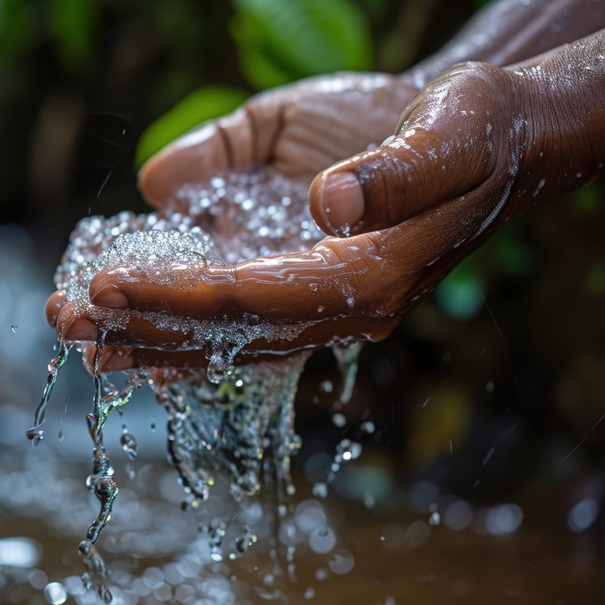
[18,28]
[73,24]
[512,256]
[459,294]
[199,106]
[588,199]
[280,42]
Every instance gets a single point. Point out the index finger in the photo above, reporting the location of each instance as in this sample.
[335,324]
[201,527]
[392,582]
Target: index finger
[376,274]
[335,278]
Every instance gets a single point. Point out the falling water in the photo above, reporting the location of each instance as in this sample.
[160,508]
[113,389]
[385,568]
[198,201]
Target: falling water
[36,434]
[226,421]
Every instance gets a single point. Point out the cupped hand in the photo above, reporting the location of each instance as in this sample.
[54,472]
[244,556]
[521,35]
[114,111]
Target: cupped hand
[475,148]
[294,131]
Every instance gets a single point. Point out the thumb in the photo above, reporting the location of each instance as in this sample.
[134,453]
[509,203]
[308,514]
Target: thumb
[445,147]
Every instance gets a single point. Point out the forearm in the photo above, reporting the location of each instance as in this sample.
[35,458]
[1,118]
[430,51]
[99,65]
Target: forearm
[509,31]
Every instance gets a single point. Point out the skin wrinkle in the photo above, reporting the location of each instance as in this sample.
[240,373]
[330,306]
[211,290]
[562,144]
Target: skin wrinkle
[547,127]
[254,138]
[280,124]
[226,140]
[318,153]
[566,109]
[350,136]
[413,122]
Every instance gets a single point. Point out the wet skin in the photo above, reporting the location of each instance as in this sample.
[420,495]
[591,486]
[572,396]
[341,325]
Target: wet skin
[474,148]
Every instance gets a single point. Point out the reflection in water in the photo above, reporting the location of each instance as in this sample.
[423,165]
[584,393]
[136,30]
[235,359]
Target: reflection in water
[405,544]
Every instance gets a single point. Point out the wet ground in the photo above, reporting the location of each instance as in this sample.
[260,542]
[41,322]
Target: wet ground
[348,553]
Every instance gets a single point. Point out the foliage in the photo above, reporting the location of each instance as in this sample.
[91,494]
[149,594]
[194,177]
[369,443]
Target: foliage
[72,23]
[279,42]
[199,106]
[462,293]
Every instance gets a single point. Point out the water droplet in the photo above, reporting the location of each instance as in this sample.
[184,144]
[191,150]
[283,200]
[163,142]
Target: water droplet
[129,445]
[341,562]
[55,593]
[326,386]
[458,515]
[435,518]
[348,450]
[367,427]
[322,540]
[35,435]
[339,420]
[320,490]
[504,519]
[583,515]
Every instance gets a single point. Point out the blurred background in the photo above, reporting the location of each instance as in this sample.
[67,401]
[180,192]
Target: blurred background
[487,402]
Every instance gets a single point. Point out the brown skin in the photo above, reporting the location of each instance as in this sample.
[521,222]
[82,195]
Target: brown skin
[476,147]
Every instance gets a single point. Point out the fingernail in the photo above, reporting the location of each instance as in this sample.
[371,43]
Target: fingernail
[110,296]
[81,329]
[343,201]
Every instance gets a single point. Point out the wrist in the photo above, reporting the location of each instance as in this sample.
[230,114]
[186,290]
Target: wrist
[561,108]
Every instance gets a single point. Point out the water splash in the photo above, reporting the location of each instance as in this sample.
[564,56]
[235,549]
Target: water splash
[232,428]
[36,434]
[226,421]
[347,358]
[129,445]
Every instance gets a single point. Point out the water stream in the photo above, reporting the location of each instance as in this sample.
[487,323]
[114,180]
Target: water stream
[227,424]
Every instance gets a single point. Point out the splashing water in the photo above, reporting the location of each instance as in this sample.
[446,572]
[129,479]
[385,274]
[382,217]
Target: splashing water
[36,434]
[226,421]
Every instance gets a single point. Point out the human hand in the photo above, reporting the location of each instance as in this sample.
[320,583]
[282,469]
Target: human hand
[295,131]
[291,132]
[475,148]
